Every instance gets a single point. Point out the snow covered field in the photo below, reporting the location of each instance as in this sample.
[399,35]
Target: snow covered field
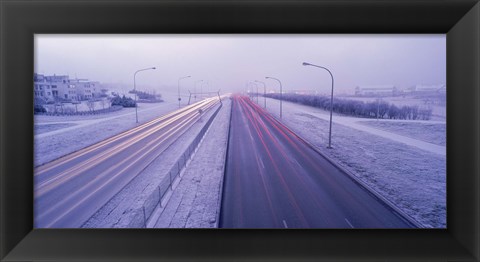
[46,128]
[412,176]
[429,132]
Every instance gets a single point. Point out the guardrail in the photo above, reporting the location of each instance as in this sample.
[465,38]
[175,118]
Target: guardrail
[166,184]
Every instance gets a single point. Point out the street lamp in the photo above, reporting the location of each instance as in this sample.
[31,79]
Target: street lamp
[195,89]
[201,87]
[179,89]
[135,89]
[250,90]
[378,106]
[331,103]
[268,77]
[264,93]
[257,89]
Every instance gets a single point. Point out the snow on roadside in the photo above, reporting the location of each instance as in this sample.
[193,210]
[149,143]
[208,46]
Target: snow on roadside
[195,203]
[122,210]
[46,128]
[412,178]
[428,132]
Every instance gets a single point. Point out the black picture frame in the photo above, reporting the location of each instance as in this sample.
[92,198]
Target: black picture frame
[20,20]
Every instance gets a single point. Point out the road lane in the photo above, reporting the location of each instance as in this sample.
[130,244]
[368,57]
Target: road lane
[275,180]
[69,190]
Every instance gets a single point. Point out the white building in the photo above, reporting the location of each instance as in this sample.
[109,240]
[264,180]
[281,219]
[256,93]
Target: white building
[303,92]
[85,89]
[430,89]
[61,87]
[376,90]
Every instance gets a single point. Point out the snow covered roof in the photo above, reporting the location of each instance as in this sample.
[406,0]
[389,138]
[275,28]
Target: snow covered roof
[430,87]
[376,87]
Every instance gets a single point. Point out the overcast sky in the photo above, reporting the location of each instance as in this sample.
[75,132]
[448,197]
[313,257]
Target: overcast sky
[230,61]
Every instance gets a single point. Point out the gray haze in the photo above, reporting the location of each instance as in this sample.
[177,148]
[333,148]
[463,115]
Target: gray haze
[230,61]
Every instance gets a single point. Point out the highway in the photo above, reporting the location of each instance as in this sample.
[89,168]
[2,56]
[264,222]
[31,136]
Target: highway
[69,190]
[275,180]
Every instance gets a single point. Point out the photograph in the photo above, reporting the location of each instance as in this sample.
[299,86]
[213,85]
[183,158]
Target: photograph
[240,131]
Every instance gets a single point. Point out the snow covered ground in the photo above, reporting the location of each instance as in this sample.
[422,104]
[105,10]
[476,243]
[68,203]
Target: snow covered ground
[46,128]
[195,202]
[434,133]
[409,172]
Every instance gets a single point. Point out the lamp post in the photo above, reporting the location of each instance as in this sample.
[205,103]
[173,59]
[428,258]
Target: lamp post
[331,103]
[378,107]
[250,91]
[268,77]
[264,93]
[179,89]
[201,87]
[195,89]
[135,89]
[257,89]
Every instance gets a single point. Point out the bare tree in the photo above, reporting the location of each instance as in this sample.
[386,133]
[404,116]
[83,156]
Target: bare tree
[103,102]
[91,105]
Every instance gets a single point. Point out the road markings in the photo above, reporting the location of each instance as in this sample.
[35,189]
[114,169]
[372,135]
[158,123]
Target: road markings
[296,162]
[285,224]
[348,222]
[261,162]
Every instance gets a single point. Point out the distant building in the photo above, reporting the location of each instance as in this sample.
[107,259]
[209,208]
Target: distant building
[61,87]
[303,92]
[377,90]
[429,89]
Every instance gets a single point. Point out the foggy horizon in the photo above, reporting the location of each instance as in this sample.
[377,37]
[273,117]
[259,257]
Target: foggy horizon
[228,62]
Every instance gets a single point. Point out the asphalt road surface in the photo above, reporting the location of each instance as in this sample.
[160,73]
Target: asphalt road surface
[275,180]
[69,190]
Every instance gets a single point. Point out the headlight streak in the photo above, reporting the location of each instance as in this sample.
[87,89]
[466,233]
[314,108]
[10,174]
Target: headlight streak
[44,168]
[70,173]
[63,177]
[92,183]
